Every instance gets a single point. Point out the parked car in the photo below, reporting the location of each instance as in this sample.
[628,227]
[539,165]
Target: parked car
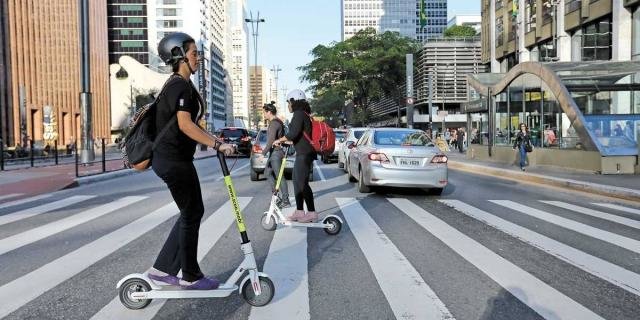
[341,134]
[238,136]
[397,157]
[352,136]
[258,162]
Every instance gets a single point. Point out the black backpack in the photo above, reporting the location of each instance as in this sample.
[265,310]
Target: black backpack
[137,146]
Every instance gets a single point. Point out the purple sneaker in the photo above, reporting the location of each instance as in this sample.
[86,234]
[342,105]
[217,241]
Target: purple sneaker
[203,283]
[168,279]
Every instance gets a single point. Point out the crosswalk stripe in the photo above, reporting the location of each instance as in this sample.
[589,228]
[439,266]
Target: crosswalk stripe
[20,291]
[319,171]
[238,169]
[595,213]
[30,212]
[33,235]
[617,275]
[409,296]
[211,231]
[542,298]
[11,195]
[286,265]
[617,207]
[618,240]
[26,200]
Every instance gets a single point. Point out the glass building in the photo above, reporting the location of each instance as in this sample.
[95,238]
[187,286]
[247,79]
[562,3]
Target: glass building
[128,33]
[402,16]
[591,110]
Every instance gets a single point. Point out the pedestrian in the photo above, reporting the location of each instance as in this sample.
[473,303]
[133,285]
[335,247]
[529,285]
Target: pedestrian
[447,136]
[275,154]
[461,140]
[628,131]
[618,132]
[305,154]
[180,108]
[523,144]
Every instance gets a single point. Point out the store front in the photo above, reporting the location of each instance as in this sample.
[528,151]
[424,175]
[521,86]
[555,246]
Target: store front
[582,115]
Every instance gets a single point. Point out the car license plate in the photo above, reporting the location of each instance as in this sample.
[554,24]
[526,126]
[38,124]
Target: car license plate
[409,162]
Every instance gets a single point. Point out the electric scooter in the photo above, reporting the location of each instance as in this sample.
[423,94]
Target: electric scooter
[331,224]
[137,290]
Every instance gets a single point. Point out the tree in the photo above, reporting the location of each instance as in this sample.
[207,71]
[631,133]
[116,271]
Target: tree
[460,32]
[363,67]
[329,105]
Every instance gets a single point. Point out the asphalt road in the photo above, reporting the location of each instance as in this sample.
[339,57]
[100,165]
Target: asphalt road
[486,249]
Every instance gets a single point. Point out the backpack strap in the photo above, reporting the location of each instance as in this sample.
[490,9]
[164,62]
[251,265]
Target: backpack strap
[305,133]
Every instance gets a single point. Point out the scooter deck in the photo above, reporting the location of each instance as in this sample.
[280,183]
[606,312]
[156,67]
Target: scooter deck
[174,292]
[304,224]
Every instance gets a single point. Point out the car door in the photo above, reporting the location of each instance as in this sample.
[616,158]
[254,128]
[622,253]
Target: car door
[355,154]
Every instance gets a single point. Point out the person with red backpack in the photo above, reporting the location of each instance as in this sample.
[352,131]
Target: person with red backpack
[300,129]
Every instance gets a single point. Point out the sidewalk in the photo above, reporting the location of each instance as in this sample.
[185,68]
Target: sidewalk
[23,183]
[618,186]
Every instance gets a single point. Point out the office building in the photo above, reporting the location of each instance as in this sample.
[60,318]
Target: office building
[238,65]
[471,20]
[128,33]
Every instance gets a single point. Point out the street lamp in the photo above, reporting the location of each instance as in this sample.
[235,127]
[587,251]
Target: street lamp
[254,30]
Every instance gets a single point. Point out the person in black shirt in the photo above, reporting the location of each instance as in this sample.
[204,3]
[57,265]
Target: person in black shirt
[276,154]
[180,107]
[305,154]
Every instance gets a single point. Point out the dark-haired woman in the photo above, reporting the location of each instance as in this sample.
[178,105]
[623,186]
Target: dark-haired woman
[305,154]
[179,109]
[523,141]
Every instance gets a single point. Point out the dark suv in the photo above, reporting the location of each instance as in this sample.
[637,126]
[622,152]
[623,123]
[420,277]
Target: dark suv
[239,137]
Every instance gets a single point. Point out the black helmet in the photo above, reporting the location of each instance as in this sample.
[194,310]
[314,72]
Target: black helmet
[171,47]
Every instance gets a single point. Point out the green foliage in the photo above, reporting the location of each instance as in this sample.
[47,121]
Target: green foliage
[460,32]
[329,105]
[363,67]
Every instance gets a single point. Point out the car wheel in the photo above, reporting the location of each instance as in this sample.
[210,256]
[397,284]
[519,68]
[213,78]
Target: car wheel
[436,191]
[362,187]
[345,167]
[340,164]
[254,175]
[350,176]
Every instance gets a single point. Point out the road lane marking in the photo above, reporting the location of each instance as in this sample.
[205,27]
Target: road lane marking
[20,291]
[26,200]
[539,296]
[315,164]
[211,231]
[33,235]
[409,296]
[30,212]
[234,171]
[286,265]
[595,213]
[608,271]
[610,237]
[617,207]
[9,196]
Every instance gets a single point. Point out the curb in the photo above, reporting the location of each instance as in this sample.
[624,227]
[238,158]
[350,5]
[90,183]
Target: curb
[601,189]
[113,174]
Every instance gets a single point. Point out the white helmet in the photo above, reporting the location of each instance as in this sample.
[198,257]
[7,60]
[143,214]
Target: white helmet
[296,94]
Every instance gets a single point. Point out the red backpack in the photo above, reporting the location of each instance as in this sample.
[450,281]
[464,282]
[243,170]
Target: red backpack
[323,139]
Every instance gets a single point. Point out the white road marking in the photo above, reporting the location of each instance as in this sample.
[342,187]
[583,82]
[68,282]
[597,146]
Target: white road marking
[315,164]
[9,196]
[617,207]
[595,213]
[26,200]
[234,171]
[30,212]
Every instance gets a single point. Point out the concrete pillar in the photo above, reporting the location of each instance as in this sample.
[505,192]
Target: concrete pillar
[621,32]
[495,66]
[524,53]
[576,46]
[563,41]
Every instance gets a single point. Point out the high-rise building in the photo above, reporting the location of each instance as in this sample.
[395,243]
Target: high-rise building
[261,90]
[471,20]
[239,64]
[44,71]
[217,32]
[401,16]
[128,33]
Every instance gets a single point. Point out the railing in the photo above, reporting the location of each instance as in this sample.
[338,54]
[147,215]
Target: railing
[34,154]
[108,158]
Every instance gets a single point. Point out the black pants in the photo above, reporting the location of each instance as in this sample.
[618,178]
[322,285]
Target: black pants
[273,169]
[301,189]
[180,250]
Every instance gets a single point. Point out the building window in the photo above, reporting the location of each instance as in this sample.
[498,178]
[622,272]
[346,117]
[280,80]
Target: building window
[499,32]
[572,5]
[547,51]
[596,41]
[530,14]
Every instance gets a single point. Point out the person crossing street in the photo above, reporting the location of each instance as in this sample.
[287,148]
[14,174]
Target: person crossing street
[275,154]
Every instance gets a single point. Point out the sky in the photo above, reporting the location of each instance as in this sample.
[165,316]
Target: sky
[293,28]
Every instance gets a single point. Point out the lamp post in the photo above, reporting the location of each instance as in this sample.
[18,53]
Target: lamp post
[87,151]
[254,30]
[276,69]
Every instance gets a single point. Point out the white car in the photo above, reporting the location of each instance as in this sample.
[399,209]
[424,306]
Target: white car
[353,134]
[341,134]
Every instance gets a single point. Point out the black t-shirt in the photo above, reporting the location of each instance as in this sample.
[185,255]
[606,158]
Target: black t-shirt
[300,123]
[179,95]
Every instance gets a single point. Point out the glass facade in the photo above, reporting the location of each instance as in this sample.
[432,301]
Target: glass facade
[128,34]
[596,41]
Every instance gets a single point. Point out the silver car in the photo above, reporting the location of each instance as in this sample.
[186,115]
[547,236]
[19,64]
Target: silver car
[397,157]
[259,162]
[353,134]
[341,135]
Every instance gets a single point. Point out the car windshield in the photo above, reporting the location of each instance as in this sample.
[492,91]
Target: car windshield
[401,138]
[232,133]
[358,134]
[340,134]
[262,137]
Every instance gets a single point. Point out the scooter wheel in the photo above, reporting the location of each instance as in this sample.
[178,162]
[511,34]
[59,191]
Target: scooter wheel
[268,290]
[268,222]
[130,286]
[335,227]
